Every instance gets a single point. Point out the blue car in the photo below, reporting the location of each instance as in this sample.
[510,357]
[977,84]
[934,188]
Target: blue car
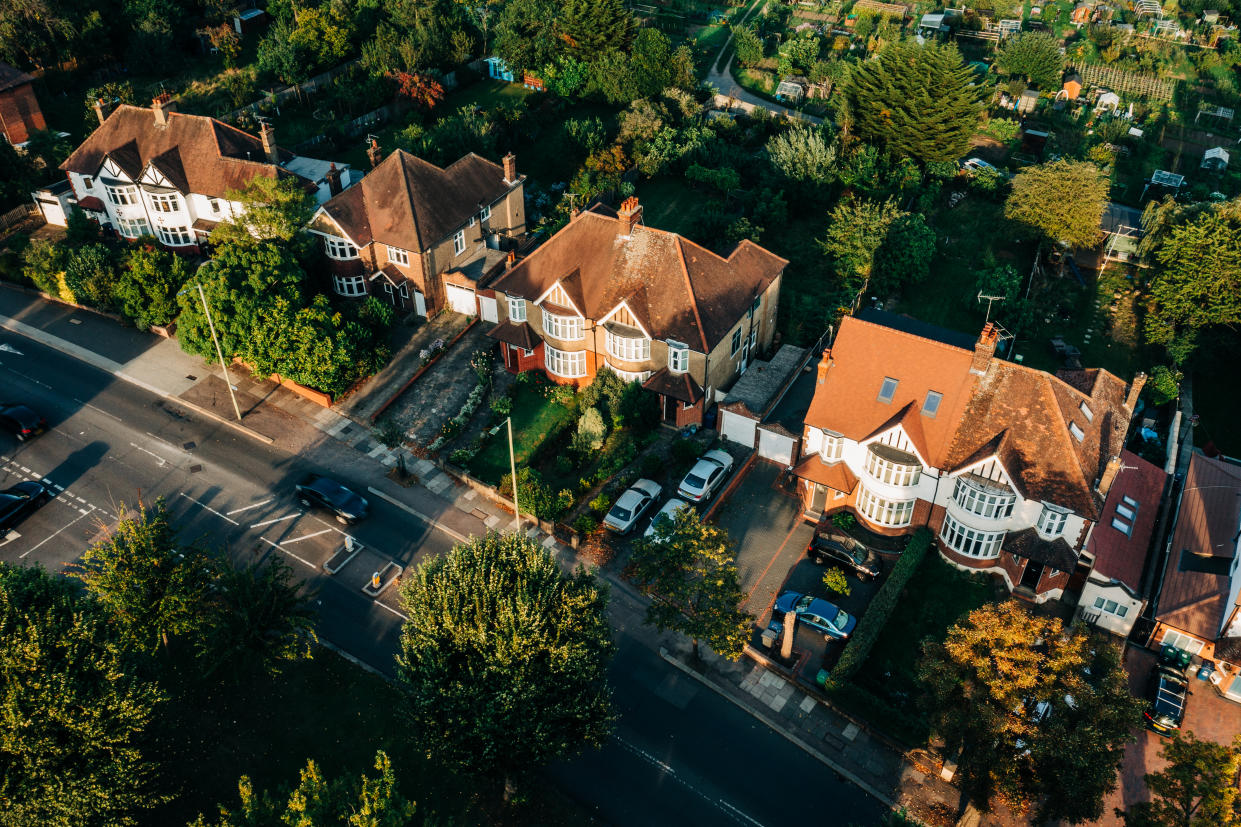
[835,623]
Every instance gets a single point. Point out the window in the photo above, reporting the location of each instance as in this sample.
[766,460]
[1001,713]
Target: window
[736,346]
[1077,432]
[470,223]
[133,227]
[215,205]
[1182,641]
[981,545]
[123,196]
[458,243]
[88,182]
[892,513]
[564,328]
[1122,526]
[165,202]
[485,213]
[563,364]
[175,236]
[388,287]
[678,357]
[516,309]
[351,286]
[931,406]
[404,291]
[833,446]
[1051,521]
[983,501]
[340,249]
[895,469]
[398,256]
[629,349]
[1086,412]
[1110,607]
[629,375]
[888,389]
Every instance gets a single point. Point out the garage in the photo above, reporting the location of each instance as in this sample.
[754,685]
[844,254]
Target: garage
[461,300]
[777,444]
[737,427]
[488,309]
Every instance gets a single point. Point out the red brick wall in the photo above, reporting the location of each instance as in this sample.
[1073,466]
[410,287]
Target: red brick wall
[20,113]
[1051,581]
[967,562]
[1014,566]
[691,415]
[524,363]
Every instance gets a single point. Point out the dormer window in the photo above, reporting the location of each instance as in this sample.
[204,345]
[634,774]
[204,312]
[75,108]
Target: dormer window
[1076,431]
[165,202]
[340,249]
[833,446]
[516,309]
[1086,412]
[1051,522]
[678,357]
[888,389]
[398,256]
[931,406]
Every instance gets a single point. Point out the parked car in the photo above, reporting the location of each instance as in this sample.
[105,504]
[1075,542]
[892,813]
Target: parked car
[323,492]
[631,505]
[1168,692]
[669,510]
[849,553]
[20,501]
[706,475]
[976,164]
[834,622]
[21,421]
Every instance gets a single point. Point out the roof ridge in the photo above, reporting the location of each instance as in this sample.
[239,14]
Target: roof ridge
[1063,432]
[693,299]
[900,332]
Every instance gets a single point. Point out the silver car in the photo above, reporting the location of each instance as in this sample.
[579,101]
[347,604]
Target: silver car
[706,475]
[669,510]
[631,505]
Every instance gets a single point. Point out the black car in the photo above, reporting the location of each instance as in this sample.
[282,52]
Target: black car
[1168,692]
[19,501]
[22,422]
[850,554]
[322,492]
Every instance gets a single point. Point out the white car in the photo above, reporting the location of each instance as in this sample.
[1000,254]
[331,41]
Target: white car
[631,505]
[669,510]
[977,164]
[705,476]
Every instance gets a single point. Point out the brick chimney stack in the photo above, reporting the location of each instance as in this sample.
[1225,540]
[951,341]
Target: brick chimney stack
[373,153]
[1109,475]
[267,134]
[511,260]
[630,213]
[102,110]
[162,106]
[825,364]
[1135,390]
[510,169]
[984,349]
[333,179]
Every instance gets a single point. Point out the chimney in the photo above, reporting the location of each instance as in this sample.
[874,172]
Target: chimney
[333,179]
[267,134]
[511,260]
[1135,390]
[162,106]
[510,169]
[630,213]
[984,349]
[102,110]
[373,153]
[825,365]
[1109,475]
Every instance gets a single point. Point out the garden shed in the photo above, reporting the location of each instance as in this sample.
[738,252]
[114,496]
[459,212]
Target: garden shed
[1215,159]
[790,90]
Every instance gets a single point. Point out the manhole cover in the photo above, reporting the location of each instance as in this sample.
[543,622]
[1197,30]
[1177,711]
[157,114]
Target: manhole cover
[75,321]
[189,446]
[191,377]
[194,469]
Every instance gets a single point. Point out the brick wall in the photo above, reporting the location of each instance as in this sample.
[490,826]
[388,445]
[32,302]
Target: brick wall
[20,113]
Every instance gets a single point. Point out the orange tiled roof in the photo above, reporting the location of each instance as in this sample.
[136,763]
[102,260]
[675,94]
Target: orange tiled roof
[835,476]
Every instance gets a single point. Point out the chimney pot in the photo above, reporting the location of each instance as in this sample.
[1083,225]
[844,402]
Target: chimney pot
[101,110]
[373,153]
[267,134]
[630,213]
[1109,475]
[825,365]
[984,349]
[333,179]
[161,106]
[510,169]
[1135,390]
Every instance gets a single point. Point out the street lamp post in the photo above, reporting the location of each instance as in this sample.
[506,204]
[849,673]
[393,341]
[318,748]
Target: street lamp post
[512,466]
[218,351]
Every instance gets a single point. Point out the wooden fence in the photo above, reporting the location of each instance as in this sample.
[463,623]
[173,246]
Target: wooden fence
[1125,82]
[17,215]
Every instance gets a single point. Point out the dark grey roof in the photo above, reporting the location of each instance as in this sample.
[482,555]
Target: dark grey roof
[913,326]
[762,382]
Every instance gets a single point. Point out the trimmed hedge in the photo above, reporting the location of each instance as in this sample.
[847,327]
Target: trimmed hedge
[876,617]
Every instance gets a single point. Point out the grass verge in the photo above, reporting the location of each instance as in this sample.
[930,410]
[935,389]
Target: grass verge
[534,417]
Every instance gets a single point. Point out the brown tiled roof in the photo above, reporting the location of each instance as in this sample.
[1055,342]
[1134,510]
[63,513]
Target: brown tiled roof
[1055,553]
[92,203]
[412,204]
[519,335]
[1194,595]
[11,76]
[835,476]
[205,225]
[196,153]
[680,386]
[677,289]
[1118,556]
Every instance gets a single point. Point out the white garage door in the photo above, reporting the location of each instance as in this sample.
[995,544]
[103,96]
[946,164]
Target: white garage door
[737,428]
[461,299]
[776,446]
[487,309]
[53,212]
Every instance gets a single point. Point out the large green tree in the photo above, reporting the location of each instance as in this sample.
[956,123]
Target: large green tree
[915,100]
[803,156]
[690,568]
[1034,56]
[1039,713]
[1198,788]
[526,35]
[876,246]
[72,712]
[272,209]
[504,657]
[591,27]
[145,291]
[1060,201]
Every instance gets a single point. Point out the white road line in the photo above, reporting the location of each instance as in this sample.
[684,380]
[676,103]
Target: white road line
[22,556]
[277,519]
[25,469]
[97,409]
[248,507]
[281,548]
[307,536]
[456,535]
[383,605]
[162,461]
[724,803]
[209,508]
[31,378]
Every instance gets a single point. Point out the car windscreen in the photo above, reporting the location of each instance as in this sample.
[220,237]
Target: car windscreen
[620,514]
[804,603]
[841,620]
[695,481]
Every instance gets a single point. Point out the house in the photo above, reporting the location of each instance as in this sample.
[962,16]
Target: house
[912,424]
[1082,14]
[159,172]
[1198,604]
[1111,597]
[422,237]
[19,108]
[652,306]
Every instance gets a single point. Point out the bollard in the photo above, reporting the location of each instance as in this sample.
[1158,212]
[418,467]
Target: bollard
[375,580]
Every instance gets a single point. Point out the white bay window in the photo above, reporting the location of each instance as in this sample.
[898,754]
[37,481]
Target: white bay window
[971,542]
[565,364]
[882,511]
[564,328]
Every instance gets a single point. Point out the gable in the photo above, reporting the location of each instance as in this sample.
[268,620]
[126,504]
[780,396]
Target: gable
[558,296]
[896,437]
[155,178]
[622,315]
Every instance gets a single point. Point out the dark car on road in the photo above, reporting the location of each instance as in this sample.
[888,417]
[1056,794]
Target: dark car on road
[1167,692]
[323,492]
[20,421]
[18,502]
[850,554]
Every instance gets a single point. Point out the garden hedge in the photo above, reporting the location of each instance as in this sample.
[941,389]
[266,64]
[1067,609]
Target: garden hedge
[876,616]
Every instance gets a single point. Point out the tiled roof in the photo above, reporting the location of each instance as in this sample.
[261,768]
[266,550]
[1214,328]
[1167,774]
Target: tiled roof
[1194,595]
[518,334]
[196,153]
[92,203]
[835,476]
[680,386]
[1055,553]
[412,204]
[11,76]
[1120,556]
[677,289]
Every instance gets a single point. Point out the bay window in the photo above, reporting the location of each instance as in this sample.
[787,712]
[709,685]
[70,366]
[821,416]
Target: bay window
[832,447]
[175,236]
[971,542]
[1051,521]
[350,286]
[893,466]
[985,500]
[133,227]
[629,349]
[123,195]
[565,364]
[678,357]
[882,511]
[564,328]
[516,309]
[165,202]
[340,249]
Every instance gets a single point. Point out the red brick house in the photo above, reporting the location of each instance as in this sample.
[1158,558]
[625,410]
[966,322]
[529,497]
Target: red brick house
[19,109]
[648,304]
[421,237]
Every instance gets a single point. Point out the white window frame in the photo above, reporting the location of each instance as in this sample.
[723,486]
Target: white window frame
[993,505]
[886,392]
[1182,641]
[629,375]
[176,236]
[1051,521]
[388,287]
[133,227]
[349,286]
[404,290]
[1122,526]
[398,256]
[736,342]
[470,223]
[892,473]
[971,542]
[563,328]
[1076,431]
[125,195]
[458,243]
[165,201]
[678,357]
[1086,412]
[516,309]
[339,249]
[628,349]
[832,446]
[1111,607]
[929,410]
[485,213]
[564,363]
[882,511]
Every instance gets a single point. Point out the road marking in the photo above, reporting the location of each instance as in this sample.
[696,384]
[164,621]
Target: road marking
[22,556]
[162,461]
[383,605]
[209,508]
[30,378]
[97,409]
[456,535]
[10,349]
[719,803]
[279,547]
[277,519]
[308,536]
[248,507]
[724,803]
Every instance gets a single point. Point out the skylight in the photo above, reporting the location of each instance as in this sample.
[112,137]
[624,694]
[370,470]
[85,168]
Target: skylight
[931,405]
[1086,412]
[888,389]
[1077,432]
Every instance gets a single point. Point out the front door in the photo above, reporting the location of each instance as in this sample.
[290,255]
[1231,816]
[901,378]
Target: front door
[420,304]
[1031,576]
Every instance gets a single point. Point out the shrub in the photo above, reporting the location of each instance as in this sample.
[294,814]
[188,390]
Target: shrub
[685,451]
[502,406]
[590,431]
[601,504]
[834,580]
[461,457]
[535,496]
[876,616]
[844,521]
[651,465]
[585,524]
[1164,385]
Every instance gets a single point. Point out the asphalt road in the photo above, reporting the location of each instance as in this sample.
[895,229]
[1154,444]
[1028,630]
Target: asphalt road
[681,754]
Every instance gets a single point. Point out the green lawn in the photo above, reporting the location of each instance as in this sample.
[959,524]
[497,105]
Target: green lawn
[485,94]
[534,416]
[668,204]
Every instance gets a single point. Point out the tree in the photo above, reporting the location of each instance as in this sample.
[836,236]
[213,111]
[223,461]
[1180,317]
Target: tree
[1198,788]
[591,27]
[1059,201]
[526,35]
[919,101]
[371,801]
[419,89]
[34,32]
[834,580]
[874,245]
[504,657]
[43,263]
[691,569]
[272,209]
[153,587]
[802,155]
[145,291]
[72,713]
[646,69]
[1035,56]
[748,44]
[1038,712]
[90,274]
[590,432]
[904,257]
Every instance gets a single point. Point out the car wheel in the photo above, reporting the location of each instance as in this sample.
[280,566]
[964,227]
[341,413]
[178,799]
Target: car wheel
[342,520]
[305,502]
